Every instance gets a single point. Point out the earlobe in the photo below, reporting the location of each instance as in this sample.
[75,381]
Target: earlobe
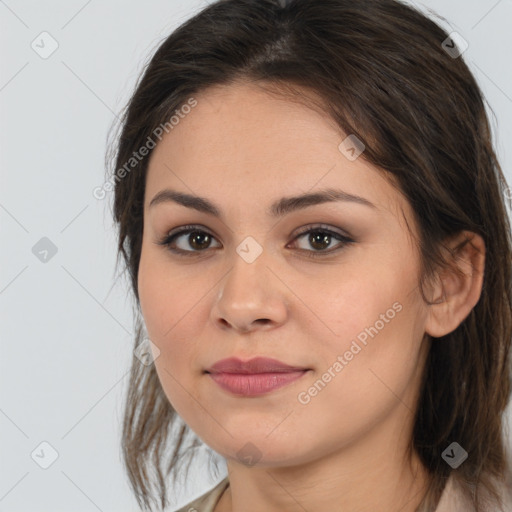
[458,287]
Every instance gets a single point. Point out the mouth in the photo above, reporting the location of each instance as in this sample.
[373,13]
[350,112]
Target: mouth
[254,384]
[255,377]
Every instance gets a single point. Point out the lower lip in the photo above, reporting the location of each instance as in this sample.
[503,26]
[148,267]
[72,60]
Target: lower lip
[256,383]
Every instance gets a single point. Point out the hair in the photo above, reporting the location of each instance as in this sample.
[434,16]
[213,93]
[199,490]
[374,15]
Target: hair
[382,74]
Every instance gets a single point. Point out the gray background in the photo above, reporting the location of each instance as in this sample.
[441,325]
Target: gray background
[66,323]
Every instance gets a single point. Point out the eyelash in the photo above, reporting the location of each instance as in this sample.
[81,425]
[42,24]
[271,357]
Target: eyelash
[171,237]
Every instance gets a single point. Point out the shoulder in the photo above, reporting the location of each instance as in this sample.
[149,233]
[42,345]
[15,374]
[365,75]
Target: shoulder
[454,500]
[207,501]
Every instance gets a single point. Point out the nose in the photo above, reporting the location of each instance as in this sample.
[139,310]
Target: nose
[250,297]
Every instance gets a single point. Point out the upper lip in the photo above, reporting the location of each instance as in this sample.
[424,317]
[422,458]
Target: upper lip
[255,365]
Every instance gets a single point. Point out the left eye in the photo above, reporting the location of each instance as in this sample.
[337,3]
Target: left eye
[319,238]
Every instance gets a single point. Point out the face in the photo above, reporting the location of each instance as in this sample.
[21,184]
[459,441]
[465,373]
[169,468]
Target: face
[328,287]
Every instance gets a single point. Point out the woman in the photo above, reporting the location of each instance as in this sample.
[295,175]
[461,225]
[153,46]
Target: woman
[314,223]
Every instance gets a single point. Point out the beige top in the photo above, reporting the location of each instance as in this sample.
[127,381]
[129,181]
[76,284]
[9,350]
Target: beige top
[207,501]
[451,500]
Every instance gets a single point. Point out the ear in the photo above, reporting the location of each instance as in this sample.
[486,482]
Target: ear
[456,289]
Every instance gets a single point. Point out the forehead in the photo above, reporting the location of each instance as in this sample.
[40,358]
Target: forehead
[245,123]
[243,142]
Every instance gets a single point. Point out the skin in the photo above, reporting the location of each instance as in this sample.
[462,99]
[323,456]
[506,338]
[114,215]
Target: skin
[347,448]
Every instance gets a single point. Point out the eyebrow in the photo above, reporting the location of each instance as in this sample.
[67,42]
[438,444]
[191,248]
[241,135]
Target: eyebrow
[279,208]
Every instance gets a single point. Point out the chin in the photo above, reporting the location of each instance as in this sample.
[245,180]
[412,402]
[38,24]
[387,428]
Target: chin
[260,450]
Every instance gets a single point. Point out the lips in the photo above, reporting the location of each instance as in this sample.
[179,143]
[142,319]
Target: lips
[252,366]
[254,377]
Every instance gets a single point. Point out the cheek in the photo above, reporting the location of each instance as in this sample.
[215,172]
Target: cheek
[374,315]
[376,358]
[165,312]
[363,295]
[359,384]
[156,307]
[172,308]
[166,298]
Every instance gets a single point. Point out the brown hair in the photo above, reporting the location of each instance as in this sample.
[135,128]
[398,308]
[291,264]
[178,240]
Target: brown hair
[382,73]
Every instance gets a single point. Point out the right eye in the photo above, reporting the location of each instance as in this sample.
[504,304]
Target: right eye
[196,238]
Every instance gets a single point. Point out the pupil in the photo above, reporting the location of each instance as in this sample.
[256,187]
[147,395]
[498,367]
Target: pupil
[319,239]
[197,235]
